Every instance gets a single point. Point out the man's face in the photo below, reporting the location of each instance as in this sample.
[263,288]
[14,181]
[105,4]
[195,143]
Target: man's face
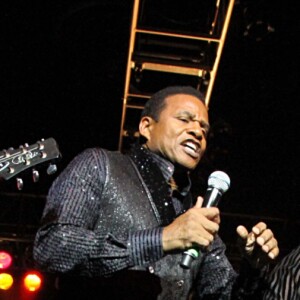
[181,132]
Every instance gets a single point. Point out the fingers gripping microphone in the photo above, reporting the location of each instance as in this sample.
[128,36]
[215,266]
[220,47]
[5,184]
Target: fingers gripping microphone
[218,184]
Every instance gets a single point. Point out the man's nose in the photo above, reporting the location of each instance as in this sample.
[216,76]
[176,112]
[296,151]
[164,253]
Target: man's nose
[196,130]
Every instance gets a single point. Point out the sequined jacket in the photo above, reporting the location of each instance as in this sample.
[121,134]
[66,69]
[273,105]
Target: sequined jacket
[94,242]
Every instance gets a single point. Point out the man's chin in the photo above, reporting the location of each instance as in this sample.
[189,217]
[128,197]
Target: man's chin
[186,165]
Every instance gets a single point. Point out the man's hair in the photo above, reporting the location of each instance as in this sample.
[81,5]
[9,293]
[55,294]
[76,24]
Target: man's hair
[156,103]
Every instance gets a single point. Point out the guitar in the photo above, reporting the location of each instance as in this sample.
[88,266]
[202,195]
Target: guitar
[14,161]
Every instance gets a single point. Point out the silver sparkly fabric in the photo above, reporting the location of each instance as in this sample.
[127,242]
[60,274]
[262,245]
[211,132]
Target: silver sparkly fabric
[103,219]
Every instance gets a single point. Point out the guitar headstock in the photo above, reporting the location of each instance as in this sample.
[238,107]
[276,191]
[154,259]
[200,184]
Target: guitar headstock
[15,161]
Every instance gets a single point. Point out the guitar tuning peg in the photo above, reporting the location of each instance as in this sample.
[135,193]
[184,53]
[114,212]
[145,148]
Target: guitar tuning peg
[41,145]
[51,169]
[20,184]
[35,175]
[6,153]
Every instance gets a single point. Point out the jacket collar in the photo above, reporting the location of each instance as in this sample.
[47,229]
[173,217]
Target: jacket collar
[156,183]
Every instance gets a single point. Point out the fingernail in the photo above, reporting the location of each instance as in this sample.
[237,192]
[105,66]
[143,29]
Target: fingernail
[255,230]
[271,255]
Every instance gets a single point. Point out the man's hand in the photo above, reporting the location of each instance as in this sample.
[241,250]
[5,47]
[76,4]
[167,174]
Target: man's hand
[259,245]
[196,227]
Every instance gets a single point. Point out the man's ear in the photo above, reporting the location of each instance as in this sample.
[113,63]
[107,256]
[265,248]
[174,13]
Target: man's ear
[145,127]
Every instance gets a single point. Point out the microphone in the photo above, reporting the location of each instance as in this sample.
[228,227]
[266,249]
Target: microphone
[218,184]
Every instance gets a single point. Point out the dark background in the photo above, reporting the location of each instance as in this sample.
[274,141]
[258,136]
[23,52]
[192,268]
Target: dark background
[62,68]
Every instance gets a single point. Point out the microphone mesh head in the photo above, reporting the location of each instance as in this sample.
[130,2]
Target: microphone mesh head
[219,180]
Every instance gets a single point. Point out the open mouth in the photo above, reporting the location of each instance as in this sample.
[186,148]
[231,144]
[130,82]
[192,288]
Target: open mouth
[192,148]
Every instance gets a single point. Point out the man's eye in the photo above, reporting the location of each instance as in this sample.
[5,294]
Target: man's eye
[184,120]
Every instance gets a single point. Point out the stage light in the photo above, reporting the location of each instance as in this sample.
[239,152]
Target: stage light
[6,281]
[32,281]
[5,260]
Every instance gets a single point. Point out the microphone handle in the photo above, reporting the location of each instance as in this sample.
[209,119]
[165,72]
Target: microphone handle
[211,198]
